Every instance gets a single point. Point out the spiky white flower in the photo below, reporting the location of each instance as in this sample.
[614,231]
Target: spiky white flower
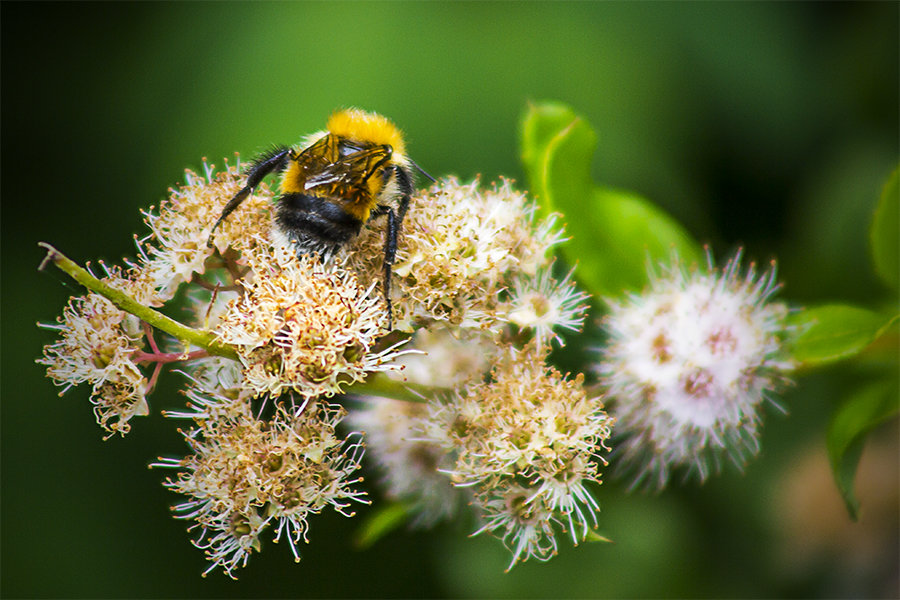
[461,246]
[176,247]
[688,364]
[97,345]
[522,519]
[542,304]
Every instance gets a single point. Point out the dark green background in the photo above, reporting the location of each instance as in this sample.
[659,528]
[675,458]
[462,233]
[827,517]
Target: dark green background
[765,125]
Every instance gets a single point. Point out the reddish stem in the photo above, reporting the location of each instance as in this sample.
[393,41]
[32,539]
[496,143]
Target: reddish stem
[152,383]
[148,331]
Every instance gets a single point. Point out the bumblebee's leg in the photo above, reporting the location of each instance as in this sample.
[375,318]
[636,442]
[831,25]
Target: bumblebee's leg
[390,251]
[404,182]
[274,160]
[394,220]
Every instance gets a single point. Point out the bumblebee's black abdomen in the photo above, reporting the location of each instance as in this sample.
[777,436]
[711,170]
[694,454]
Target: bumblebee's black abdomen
[313,220]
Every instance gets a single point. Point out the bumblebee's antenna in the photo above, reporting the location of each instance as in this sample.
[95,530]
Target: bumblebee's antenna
[422,171]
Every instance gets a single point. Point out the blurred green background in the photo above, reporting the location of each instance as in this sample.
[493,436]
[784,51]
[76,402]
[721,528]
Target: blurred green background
[770,126]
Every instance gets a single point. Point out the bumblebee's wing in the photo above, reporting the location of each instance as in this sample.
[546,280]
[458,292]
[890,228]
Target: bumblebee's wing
[319,155]
[354,169]
[326,176]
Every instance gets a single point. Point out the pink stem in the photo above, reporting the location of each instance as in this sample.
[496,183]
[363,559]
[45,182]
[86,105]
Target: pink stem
[152,383]
[148,331]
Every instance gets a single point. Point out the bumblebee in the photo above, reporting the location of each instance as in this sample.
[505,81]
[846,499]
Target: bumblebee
[355,171]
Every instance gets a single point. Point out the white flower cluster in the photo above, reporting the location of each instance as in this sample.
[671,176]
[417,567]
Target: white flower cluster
[176,248]
[305,327]
[527,443]
[248,474]
[475,296]
[476,259]
[100,344]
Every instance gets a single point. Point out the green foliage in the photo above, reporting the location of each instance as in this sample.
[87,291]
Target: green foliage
[614,234]
[858,415]
[826,334]
[884,237]
[830,333]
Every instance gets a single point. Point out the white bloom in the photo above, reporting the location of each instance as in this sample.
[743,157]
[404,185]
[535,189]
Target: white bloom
[97,345]
[245,473]
[526,443]
[542,304]
[526,526]
[176,248]
[688,363]
[460,248]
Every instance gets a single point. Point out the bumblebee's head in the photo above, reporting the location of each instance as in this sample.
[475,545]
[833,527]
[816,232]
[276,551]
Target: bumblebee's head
[368,127]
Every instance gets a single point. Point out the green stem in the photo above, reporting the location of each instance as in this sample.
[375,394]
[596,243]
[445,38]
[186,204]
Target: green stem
[379,384]
[376,385]
[203,339]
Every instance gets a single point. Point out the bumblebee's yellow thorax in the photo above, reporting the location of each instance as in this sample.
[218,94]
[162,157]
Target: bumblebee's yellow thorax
[370,127]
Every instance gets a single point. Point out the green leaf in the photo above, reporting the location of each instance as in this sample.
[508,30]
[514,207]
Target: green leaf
[380,523]
[884,236]
[630,233]
[833,332]
[557,146]
[857,416]
[540,123]
[613,234]
[593,537]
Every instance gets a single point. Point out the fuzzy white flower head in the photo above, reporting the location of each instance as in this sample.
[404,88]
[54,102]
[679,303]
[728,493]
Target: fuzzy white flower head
[98,344]
[461,246]
[687,366]
[542,304]
[246,474]
[528,426]
[521,519]
[305,326]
